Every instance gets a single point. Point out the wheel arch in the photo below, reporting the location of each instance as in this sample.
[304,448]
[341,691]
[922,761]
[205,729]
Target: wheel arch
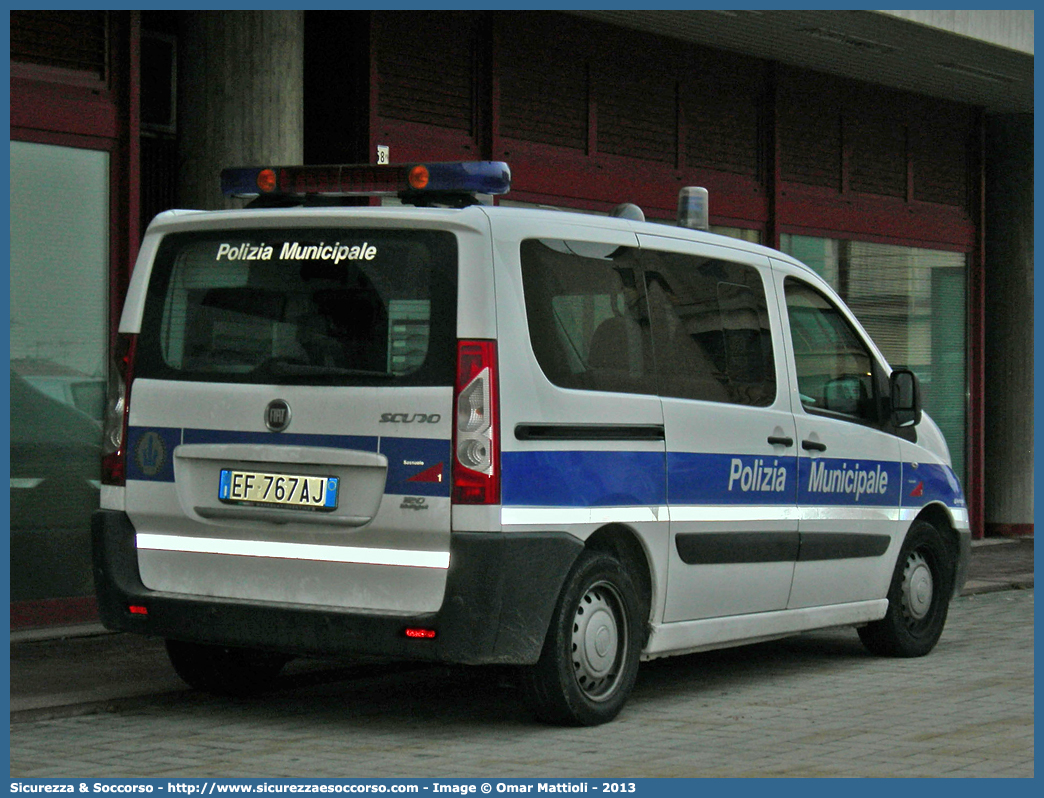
[938,516]
[623,543]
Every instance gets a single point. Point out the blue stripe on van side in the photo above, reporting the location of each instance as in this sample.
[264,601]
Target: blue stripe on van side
[718,479]
[930,482]
[599,478]
[625,478]
[582,479]
[849,482]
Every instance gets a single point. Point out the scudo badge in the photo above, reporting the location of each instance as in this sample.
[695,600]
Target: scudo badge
[277,415]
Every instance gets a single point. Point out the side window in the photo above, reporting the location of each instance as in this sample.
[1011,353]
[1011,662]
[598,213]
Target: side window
[587,314]
[711,333]
[834,366]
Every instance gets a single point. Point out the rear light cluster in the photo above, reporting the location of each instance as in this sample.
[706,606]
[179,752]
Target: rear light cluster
[476,460]
[117,408]
[421,634]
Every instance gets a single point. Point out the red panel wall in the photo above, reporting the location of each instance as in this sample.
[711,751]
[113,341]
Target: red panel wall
[780,150]
[93,107]
[66,90]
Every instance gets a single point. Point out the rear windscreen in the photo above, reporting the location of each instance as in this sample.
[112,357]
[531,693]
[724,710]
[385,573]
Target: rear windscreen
[302,306]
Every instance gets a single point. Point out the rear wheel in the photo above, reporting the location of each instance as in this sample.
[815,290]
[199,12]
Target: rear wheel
[224,670]
[589,661]
[918,598]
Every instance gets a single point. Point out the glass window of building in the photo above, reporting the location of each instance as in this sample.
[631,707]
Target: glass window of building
[59,324]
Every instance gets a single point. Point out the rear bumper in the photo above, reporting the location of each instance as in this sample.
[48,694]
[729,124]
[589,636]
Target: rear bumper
[501,590]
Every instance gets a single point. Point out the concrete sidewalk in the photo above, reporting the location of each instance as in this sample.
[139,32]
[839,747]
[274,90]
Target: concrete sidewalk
[80,670]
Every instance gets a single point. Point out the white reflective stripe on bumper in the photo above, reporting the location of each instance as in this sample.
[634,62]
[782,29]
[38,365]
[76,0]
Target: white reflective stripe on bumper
[294,551]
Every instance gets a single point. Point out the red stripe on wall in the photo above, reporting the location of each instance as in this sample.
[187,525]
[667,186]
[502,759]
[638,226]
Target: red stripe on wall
[1009,530]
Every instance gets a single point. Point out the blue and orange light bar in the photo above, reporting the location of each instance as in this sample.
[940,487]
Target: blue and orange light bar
[458,177]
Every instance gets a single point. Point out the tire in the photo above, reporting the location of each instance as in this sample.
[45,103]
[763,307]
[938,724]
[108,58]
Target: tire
[589,662]
[918,597]
[223,670]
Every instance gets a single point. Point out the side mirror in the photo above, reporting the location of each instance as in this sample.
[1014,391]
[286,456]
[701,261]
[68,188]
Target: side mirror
[906,398]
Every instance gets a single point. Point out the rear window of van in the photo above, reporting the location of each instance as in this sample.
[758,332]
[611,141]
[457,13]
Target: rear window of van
[302,306]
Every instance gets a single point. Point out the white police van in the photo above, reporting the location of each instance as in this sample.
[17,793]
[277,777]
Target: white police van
[482,434]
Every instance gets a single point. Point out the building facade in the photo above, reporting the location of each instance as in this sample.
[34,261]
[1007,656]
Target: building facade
[891,151]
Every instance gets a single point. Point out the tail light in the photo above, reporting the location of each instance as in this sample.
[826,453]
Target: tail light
[117,409]
[476,444]
[421,634]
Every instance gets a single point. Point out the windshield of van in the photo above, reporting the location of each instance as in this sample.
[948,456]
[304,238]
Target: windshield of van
[302,306]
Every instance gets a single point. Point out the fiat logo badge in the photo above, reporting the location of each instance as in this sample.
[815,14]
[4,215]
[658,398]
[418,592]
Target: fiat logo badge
[277,415]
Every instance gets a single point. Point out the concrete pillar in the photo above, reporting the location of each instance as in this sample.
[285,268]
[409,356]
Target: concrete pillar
[240,97]
[1009,325]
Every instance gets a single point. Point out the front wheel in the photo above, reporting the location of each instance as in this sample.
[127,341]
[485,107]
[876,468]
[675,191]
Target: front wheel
[918,598]
[224,670]
[589,661]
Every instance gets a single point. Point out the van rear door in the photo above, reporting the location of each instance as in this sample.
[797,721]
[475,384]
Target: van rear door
[290,416]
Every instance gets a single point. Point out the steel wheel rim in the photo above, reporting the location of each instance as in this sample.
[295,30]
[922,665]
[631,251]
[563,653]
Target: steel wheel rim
[918,589]
[599,642]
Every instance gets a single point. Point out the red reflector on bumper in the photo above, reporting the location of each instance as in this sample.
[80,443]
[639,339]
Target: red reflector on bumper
[137,609]
[421,633]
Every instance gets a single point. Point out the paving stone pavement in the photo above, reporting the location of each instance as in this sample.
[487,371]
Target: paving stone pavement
[815,705]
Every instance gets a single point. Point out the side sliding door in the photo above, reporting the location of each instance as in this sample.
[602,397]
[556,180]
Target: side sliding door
[731,455]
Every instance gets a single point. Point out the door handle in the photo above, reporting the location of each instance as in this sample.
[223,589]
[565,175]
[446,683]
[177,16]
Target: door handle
[813,446]
[777,440]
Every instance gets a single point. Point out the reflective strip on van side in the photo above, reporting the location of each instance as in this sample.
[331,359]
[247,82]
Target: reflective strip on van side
[544,516]
[959,515]
[711,513]
[703,513]
[294,551]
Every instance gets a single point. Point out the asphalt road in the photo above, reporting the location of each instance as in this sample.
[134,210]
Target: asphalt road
[815,705]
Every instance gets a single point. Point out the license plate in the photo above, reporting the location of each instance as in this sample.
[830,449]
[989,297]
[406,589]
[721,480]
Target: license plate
[295,491]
